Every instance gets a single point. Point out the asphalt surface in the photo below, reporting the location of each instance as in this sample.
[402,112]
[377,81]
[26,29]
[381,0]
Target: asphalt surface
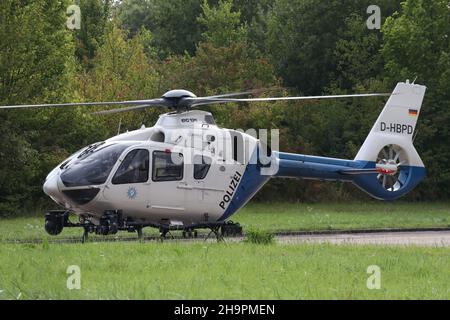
[417,238]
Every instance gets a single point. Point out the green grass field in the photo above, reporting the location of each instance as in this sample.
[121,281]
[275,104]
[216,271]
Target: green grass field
[150,270]
[222,271]
[340,216]
[282,216]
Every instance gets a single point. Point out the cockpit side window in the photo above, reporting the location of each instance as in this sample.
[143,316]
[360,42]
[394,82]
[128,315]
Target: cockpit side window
[167,166]
[201,167]
[134,168]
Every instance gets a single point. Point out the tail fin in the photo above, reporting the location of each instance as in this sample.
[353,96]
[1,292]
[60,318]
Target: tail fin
[390,145]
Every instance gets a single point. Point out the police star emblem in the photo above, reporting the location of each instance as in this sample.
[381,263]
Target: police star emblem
[132,193]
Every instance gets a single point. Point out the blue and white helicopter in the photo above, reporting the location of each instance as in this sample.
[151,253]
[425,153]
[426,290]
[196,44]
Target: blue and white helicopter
[185,173]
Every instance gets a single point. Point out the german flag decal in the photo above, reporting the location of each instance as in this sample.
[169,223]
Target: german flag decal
[413,112]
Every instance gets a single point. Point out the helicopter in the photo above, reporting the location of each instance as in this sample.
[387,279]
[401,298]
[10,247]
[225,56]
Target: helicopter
[186,173]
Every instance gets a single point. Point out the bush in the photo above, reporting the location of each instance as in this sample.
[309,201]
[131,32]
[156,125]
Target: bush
[259,237]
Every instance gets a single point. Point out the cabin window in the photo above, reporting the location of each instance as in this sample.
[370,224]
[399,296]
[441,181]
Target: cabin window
[201,167]
[134,168]
[167,166]
[158,136]
[209,119]
[237,146]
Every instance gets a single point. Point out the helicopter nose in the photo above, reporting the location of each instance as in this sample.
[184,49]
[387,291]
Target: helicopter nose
[51,186]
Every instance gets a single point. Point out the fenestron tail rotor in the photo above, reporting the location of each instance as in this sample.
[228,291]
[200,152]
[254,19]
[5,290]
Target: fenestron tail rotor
[390,160]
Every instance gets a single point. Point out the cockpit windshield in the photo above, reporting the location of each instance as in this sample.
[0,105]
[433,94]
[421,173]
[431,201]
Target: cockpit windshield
[90,149]
[93,165]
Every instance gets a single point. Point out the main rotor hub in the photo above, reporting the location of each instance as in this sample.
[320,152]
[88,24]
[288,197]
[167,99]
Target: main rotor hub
[178,94]
[177,99]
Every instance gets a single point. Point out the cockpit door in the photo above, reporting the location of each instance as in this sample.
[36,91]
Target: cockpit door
[128,188]
[168,187]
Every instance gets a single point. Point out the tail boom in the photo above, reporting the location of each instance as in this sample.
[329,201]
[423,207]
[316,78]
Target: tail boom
[363,174]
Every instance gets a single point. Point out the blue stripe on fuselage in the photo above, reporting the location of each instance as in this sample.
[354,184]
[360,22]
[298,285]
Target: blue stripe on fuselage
[252,180]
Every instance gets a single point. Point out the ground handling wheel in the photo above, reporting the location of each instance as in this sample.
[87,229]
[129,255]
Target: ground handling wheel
[231,229]
[55,221]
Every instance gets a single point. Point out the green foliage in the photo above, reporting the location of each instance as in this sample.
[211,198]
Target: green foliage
[223,26]
[122,71]
[299,44]
[302,36]
[417,44]
[35,50]
[173,23]
[94,19]
[17,160]
[251,9]
[36,64]
[256,236]
[357,54]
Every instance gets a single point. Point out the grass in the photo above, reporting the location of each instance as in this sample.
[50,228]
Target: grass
[339,216]
[282,216]
[259,237]
[222,271]
[132,270]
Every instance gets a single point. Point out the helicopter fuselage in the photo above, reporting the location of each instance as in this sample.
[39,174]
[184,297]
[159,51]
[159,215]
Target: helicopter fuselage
[184,169]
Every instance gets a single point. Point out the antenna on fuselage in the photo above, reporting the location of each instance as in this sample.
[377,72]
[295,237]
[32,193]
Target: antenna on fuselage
[120,124]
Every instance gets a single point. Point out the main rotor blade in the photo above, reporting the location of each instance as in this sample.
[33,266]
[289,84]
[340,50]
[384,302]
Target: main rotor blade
[140,107]
[152,102]
[233,94]
[227,100]
[184,101]
[204,100]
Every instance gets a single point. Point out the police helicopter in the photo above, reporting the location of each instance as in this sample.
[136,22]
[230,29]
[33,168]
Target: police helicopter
[186,173]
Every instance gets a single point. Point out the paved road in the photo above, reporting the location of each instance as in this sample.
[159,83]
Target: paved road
[439,238]
[423,238]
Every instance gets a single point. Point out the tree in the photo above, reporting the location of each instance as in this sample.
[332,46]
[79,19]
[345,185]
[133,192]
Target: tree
[223,27]
[121,71]
[94,19]
[302,36]
[173,23]
[417,44]
[36,64]
[357,56]
[251,9]
[134,14]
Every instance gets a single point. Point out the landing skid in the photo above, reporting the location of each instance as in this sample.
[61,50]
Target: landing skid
[216,231]
[190,231]
[112,222]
